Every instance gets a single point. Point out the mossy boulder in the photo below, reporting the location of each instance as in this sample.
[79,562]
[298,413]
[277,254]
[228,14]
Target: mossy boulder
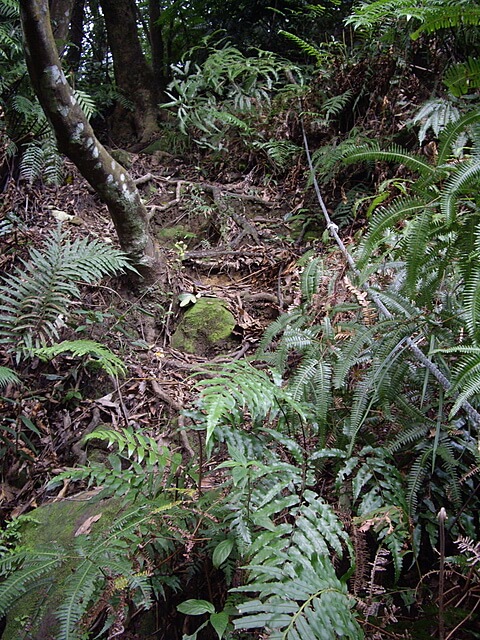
[122,157]
[170,235]
[204,328]
[52,528]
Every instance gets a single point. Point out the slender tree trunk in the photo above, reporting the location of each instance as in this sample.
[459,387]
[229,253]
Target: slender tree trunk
[157,45]
[77,140]
[60,14]
[133,76]
[74,52]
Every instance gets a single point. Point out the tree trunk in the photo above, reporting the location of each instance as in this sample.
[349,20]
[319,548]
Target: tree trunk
[133,76]
[77,140]
[157,45]
[60,13]
[74,52]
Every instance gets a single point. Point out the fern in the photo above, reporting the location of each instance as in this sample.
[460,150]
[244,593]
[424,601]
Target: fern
[290,568]
[379,497]
[32,569]
[447,16]
[465,176]
[35,300]
[7,376]
[462,78]
[436,115]
[304,46]
[393,154]
[41,159]
[100,354]
[85,102]
[242,388]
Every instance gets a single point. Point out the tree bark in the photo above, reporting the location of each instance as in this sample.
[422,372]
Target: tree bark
[77,140]
[157,45]
[133,76]
[60,14]
[74,52]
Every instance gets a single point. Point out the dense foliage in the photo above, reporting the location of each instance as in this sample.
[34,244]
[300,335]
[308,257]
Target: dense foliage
[345,502]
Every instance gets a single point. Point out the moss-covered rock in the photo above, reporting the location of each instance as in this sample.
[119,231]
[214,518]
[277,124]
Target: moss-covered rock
[169,235]
[53,527]
[122,157]
[204,328]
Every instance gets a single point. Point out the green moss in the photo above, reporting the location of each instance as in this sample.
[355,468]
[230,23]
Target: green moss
[122,157]
[158,145]
[170,235]
[204,326]
[53,526]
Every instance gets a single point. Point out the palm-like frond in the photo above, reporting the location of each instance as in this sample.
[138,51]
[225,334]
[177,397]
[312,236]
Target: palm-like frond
[395,153]
[465,176]
[33,568]
[462,78]
[447,16]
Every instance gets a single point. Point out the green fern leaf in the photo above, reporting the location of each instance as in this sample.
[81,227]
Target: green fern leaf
[393,154]
[466,174]
[7,376]
[35,300]
[387,218]
[448,16]
[107,360]
[449,136]
[34,568]
[77,597]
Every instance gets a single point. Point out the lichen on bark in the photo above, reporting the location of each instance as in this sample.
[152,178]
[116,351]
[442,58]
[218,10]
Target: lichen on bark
[77,140]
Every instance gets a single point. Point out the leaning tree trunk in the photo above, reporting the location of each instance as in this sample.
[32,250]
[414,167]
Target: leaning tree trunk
[77,140]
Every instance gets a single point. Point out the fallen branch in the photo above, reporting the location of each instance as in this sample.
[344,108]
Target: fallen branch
[176,406]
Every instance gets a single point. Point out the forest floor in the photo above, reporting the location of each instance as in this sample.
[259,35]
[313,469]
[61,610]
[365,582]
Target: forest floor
[228,239]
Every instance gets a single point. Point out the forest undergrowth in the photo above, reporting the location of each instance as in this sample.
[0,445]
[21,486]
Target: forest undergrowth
[316,477]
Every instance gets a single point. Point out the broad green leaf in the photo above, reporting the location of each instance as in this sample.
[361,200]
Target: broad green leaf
[222,551]
[196,607]
[219,622]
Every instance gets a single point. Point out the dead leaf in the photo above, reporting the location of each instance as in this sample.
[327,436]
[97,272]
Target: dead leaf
[85,528]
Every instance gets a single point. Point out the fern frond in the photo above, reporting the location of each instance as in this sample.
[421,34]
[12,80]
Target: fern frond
[449,136]
[310,278]
[300,595]
[240,388]
[395,153]
[303,45]
[34,300]
[102,356]
[448,16]
[85,102]
[386,218]
[77,597]
[461,78]
[436,115]
[415,248]
[34,568]
[7,376]
[466,174]
[41,159]
[471,299]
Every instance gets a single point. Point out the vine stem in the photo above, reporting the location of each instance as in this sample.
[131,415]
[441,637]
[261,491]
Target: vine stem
[472,414]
